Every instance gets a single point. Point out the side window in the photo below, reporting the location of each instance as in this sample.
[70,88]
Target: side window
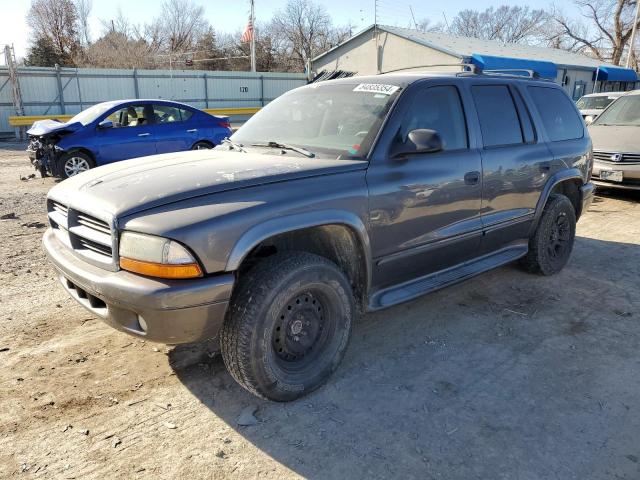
[526,124]
[559,117]
[498,117]
[186,114]
[439,109]
[166,114]
[131,116]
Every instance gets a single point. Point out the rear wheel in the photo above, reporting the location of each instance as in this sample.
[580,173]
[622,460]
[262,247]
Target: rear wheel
[202,145]
[551,245]
[74,163]
[288,326]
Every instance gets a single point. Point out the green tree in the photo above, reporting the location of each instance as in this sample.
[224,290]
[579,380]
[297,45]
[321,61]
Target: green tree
[43,53]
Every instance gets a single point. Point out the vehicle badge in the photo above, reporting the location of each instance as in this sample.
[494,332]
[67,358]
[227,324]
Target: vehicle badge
[616,157]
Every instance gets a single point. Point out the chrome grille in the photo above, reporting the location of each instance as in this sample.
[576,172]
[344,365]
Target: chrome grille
[62,209]
[608,157]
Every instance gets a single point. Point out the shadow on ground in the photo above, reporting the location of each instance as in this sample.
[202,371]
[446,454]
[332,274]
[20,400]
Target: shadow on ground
[505,376]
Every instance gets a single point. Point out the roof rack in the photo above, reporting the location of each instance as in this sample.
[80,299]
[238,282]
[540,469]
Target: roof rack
[511,73]
[473,68]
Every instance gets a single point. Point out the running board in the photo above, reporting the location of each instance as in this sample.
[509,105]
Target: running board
[444,278]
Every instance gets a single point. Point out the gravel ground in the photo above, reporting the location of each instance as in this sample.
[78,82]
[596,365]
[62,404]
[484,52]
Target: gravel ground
[504,376]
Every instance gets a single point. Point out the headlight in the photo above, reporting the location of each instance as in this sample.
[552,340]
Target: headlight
[156,257]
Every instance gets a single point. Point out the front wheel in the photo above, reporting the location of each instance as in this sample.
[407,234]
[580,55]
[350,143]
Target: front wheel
[202,145]
[288,325]
[551,245]
[74,163]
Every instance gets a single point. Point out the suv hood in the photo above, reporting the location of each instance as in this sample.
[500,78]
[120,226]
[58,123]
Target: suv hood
[135,185]
[611,138]
[45,127]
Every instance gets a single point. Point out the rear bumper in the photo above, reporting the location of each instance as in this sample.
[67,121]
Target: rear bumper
[166,311]
[587,192]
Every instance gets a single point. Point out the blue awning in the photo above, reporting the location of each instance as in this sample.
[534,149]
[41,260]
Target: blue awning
[616,74]
[515,65]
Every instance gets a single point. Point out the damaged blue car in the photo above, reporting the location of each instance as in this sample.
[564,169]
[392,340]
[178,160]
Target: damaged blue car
[119,130]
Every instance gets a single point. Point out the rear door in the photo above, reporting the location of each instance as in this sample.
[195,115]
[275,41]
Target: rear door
[130,136]
[425,208]
[515,163]
[173,131]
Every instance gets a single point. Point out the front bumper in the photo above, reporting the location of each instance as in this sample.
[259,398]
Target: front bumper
[630,173]
[166,311]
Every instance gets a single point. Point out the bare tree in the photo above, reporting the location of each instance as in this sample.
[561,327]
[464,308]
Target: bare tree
[303,30]
[83,8]
[508,24]
[56,20]
[180,25]
[604,33]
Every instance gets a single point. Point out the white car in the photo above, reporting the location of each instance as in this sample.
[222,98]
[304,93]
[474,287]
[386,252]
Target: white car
[592,105]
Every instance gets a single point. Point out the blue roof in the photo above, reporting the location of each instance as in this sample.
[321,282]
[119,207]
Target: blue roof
[616,74]
[516,65]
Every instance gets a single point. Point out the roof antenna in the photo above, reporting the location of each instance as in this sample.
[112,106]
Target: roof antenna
[446,22]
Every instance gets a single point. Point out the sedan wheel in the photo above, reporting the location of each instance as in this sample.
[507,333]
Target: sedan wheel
[75,165]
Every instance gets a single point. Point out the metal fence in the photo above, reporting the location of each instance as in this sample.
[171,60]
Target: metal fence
[56,91]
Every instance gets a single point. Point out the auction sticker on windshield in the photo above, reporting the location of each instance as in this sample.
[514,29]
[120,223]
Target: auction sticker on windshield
[376,88]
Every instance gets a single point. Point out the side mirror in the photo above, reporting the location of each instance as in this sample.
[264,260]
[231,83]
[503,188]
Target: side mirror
[105,124]
[421,140]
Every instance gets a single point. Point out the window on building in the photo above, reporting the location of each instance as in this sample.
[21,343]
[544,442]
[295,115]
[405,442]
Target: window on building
[559,115]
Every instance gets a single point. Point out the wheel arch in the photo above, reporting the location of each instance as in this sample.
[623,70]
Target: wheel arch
[566,182]
[337,235]
[202,140]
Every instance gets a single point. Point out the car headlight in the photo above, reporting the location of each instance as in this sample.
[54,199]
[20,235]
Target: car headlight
[156,257]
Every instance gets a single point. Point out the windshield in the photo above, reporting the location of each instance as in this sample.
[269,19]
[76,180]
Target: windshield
[330,120]
[87,116]
[624,111]
[595,103]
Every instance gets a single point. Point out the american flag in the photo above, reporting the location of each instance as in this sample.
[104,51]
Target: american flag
[247,36]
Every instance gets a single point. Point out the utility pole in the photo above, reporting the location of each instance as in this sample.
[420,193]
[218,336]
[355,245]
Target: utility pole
[253,38]
[633,34]
[12,70]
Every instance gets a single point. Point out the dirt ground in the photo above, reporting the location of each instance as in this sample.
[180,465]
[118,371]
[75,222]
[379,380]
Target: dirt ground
[505,376]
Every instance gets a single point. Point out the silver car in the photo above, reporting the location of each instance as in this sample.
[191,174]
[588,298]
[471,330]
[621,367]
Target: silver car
[616,143]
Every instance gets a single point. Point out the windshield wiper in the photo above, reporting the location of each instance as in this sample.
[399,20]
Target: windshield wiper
[285,146]
[234,145]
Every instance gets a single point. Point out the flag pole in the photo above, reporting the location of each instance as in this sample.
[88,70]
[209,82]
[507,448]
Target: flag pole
[253,39]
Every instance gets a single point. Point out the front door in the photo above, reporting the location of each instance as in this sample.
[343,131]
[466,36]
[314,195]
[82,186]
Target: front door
[130,136]
[425,208]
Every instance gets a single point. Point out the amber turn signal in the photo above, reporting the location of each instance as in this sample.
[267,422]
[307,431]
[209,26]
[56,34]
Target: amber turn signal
[160,270]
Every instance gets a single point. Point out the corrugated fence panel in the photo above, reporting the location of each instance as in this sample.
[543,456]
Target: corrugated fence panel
[83,87]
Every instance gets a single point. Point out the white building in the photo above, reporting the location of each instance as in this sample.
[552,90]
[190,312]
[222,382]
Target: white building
[379,49]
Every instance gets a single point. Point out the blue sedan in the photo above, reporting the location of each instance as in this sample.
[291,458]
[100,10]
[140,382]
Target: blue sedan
[119,130]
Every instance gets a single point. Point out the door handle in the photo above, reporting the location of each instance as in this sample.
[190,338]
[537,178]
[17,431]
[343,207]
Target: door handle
[472,178]
[144,134]
[192,130]
[544,166]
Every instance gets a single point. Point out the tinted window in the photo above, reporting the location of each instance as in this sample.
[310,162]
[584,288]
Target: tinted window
[528,133]
[499,120]
[186,114]
[439,109]
[559,116]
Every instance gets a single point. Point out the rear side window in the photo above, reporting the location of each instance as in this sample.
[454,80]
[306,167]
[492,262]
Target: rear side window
[498,117]
[439,109]
[559,117]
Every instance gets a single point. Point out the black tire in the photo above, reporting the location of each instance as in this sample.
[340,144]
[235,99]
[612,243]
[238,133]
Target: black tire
[288,325]
[202,145]
[551,244]
[73,163]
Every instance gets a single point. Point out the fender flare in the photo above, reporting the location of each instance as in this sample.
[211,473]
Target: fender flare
[562,176]
[298,221]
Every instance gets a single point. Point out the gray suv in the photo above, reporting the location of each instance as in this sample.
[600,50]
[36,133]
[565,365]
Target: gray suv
[340,197]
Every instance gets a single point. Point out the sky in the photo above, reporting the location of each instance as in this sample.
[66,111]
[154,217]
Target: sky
[231,16]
